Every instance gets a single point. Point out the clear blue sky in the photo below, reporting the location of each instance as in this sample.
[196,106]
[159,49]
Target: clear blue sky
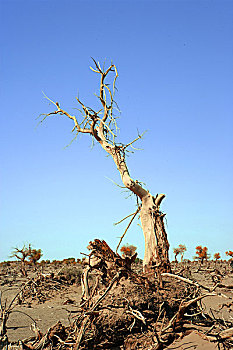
[175,80]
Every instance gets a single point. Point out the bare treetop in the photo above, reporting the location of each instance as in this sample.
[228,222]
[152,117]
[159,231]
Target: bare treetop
[100,124]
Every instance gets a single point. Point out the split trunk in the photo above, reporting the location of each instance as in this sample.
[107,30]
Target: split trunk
[156,242]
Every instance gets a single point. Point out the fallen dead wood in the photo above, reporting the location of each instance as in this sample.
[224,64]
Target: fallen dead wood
[5,311]
[221,336]
[43,287]
[122,308]
[186,280]
[221,285]
[198,285]
[226,334]
[179,316]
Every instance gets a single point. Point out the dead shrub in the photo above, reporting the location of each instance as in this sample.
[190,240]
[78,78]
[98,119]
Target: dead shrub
[71,275]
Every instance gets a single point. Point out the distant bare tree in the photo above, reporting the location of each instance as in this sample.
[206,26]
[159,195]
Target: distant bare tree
[22,254]
[180,250]
[101,125]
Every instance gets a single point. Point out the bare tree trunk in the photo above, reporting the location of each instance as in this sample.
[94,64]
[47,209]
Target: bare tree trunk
[156,242]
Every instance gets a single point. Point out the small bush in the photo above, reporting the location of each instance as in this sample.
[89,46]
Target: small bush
[128,250]
[217,256]
[69,261]
[35,255]
[229,253]
[201,253]
[71,274]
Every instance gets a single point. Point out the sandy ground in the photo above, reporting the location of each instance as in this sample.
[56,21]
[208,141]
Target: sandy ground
[64,304]
[212,306]
[193,341]
[45,315]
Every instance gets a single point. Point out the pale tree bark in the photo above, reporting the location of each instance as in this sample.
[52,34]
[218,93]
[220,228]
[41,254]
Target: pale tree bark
[102,127]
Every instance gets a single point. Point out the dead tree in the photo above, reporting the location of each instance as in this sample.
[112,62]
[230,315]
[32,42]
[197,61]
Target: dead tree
[102,126]
[180,250]
[22,255]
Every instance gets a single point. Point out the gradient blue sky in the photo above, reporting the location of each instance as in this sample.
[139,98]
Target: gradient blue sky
[175,80]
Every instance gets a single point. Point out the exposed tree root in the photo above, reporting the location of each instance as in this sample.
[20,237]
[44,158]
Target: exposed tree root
[130,311]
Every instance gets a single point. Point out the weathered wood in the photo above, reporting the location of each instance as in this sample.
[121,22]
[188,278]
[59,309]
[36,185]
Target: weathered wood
[102,126]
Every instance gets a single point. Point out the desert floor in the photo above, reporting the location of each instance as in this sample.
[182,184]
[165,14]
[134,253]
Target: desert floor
[60,300]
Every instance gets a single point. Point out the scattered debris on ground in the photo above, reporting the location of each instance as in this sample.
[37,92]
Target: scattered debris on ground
[123,308]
